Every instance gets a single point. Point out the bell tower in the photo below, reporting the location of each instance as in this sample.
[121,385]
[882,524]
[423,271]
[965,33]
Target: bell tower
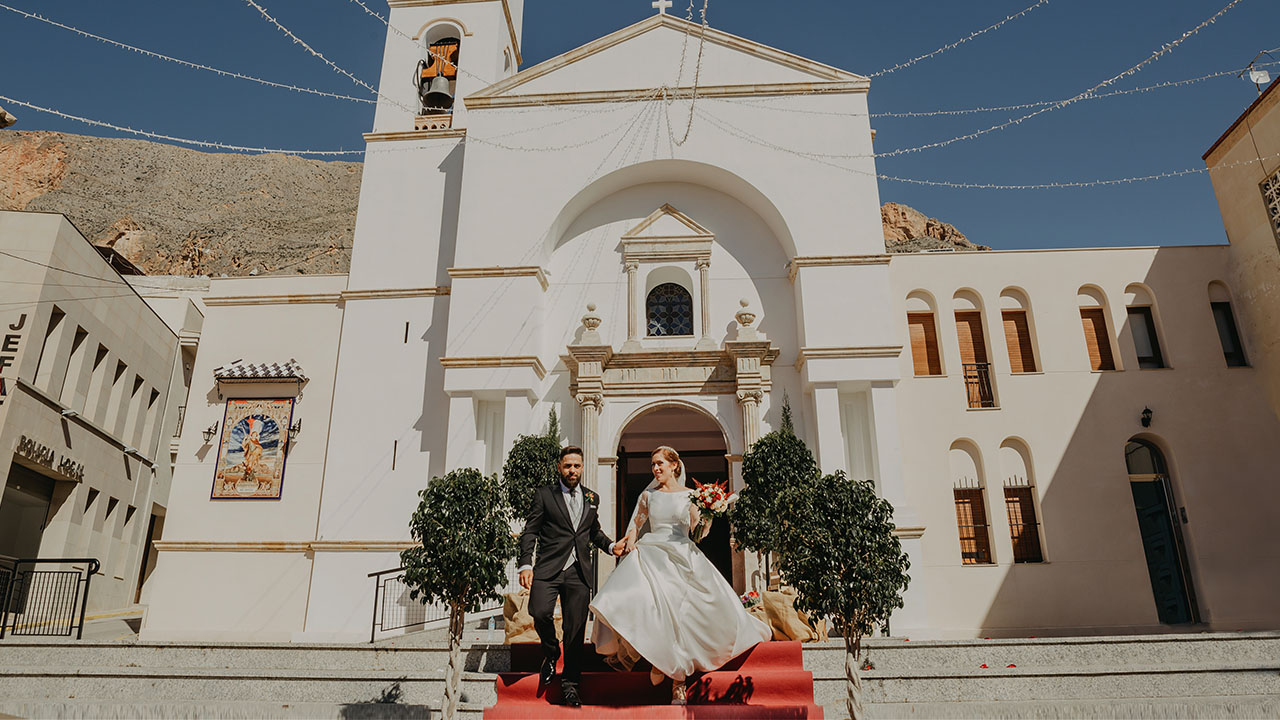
[439,51]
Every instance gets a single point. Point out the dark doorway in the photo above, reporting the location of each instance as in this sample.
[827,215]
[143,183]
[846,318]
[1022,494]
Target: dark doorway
[1161,533]
[701,445]
[24,510]
[155,528]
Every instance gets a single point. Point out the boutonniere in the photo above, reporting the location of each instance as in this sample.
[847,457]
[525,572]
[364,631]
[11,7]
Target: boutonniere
[591,497]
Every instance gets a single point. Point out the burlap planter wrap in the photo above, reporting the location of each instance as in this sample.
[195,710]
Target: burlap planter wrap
[515,613]
[778,611]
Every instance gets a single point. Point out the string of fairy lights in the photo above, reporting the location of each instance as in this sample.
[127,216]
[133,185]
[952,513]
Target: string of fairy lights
[666,96]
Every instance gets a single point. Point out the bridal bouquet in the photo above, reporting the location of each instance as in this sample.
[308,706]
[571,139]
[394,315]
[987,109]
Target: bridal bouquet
[712,499]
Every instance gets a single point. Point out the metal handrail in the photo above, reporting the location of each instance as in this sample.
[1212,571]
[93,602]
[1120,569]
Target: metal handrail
[81,598]
[378,622]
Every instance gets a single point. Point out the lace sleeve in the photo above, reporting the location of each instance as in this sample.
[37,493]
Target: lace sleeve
[639,517]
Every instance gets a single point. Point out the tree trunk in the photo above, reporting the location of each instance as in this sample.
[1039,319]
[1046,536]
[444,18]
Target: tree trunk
[453,674]
[853,682]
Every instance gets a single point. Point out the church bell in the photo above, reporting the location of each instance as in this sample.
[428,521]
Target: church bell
[437,94]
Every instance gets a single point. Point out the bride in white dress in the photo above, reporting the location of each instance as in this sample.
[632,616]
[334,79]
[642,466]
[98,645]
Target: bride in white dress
[665,601]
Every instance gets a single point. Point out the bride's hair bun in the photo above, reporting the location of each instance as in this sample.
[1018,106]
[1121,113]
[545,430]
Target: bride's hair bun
[670,455]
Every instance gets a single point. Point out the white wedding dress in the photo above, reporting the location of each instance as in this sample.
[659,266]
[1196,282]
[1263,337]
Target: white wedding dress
[667,601]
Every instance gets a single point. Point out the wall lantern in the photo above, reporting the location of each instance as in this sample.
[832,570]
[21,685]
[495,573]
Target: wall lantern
[1146,417]
[294,430]
[209,432]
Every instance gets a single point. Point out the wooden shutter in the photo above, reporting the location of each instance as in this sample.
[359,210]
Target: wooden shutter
[924,344]
[971,520]
[973,344]
[1024,530]
[1017,335]
[1097,339]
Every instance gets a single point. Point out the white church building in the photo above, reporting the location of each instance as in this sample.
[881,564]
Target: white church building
[1075,441]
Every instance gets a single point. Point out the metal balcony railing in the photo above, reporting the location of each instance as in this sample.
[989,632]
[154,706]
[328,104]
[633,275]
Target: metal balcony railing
[977,383]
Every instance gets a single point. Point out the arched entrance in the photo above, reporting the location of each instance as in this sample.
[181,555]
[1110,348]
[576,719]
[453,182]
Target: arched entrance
[1159,523]
[701,444]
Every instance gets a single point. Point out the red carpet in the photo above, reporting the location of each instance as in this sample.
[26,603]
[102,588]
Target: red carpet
[767,682]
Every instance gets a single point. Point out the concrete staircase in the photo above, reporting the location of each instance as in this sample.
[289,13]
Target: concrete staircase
[1162,676]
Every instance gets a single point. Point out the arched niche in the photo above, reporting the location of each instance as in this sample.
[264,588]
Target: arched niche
[965,462]
[672,171]
[1015,462]
[1022,501]
[1091,296]
[1145,327]
[1218,292]
[1138,295]
[1014,298]
[966,300]
[921,301]
[969,492]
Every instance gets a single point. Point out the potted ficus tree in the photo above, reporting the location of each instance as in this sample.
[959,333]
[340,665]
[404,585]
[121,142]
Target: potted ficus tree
[775,462]
[464,541]
[844,562]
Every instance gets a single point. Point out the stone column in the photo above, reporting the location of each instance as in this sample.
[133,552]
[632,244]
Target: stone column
[590,404]
[634,307]
[704,293]
[587,362]
[749,402]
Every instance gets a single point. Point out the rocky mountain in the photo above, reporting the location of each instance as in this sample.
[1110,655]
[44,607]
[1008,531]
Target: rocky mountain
[173,211]
[909,230]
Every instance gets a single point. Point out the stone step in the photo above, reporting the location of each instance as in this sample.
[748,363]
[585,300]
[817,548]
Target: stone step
[485,658]
[176,710]
[155,685]
[887,654]
[209,685]
[1019,684]
[1122,651]
[1193,708]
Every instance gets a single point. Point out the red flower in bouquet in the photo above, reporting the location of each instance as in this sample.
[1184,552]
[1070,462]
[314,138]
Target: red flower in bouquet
[712,499]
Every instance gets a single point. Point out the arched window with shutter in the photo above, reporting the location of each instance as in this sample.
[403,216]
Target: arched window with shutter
[669,309]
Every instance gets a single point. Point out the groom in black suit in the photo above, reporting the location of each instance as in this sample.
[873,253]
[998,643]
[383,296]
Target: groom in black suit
[565,528]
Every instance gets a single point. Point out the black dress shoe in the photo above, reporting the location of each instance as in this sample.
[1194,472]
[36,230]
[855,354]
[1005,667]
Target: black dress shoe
[548,673]
[569,695]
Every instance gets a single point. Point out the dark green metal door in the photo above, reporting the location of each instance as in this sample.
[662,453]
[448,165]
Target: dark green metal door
[1160,541]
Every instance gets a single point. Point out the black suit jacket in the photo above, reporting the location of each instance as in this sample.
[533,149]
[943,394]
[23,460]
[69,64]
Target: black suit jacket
[549,531]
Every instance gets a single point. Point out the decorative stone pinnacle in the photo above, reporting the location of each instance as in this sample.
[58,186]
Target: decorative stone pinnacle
[591,321]
[745,316]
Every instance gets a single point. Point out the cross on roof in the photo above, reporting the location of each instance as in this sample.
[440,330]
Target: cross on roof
[662,5]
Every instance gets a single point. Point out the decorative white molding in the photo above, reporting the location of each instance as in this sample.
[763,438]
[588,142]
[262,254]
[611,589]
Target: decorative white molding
[845,353]
[494,361]
[415,135]
[395,293]
[796,264]
[292,299]
[497,272]
[643,95]
[826,77]
[909,533]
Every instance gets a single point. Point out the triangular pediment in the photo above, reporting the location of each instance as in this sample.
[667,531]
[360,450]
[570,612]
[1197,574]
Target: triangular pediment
[667,223]
[649,55]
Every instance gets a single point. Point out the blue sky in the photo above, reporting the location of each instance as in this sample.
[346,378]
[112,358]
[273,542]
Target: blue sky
[1053,53]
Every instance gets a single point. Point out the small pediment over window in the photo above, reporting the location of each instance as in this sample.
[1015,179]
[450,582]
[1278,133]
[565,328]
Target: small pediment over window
[667,235]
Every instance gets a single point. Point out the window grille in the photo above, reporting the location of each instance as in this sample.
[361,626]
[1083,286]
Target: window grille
[971,520]
[1271,196]
[670,311]
[1024,528]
